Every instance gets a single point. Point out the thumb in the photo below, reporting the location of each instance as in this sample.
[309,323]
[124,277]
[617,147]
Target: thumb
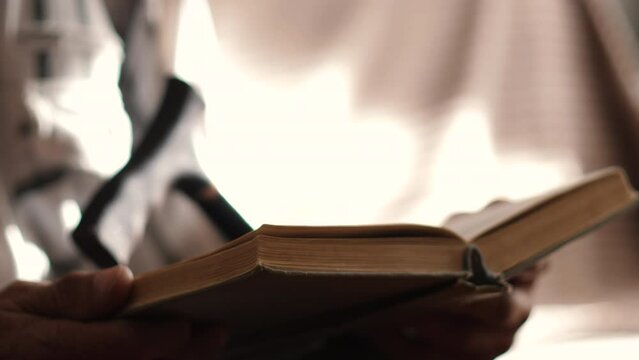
[77,296]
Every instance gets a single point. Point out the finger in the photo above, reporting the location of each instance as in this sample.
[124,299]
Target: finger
[39,338]
[528,277]
[464,337]
[78,296]
[507,309]
[399,348]
[496,203]
[463,216]
[454,337]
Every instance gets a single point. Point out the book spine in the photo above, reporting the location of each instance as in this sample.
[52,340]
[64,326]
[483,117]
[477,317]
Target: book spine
[480,275]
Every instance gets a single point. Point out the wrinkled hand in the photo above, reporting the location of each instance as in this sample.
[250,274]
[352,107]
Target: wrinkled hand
[66,319]
[480,329]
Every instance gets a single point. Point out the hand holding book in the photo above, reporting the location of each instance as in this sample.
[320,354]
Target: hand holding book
[406,287]
[278,284]
[481,327]
[69,319]
[478,327]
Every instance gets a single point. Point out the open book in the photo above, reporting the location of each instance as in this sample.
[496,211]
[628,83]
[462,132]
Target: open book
[279,277]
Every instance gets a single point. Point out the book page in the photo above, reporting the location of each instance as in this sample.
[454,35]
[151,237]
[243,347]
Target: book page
[499,213]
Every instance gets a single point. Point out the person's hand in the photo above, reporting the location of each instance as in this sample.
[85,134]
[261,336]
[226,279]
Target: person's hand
[67,319]
[479,329]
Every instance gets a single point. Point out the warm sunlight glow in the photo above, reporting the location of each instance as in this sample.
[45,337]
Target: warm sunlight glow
[70,214]
[31,262]
[289,152]
[294,155]
[292,151]
[468,173]
[87,112]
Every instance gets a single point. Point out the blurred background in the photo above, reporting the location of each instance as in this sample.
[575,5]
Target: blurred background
[333,112]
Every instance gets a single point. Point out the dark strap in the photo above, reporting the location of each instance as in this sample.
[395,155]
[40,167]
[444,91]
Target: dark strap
[214,205]
[85,235]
